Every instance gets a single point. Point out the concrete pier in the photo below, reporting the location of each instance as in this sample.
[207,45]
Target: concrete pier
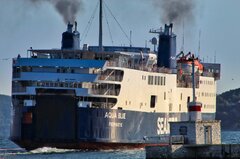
[194,140]
[221,151]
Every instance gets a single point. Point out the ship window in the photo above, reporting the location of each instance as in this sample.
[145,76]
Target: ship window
[188,99]
[79,85]
[165,96]
[170,107]
[75,85]
[66,85]
[150,80]
[39,84]
[161,80]
[164,81]
[153,101]
[181,96]
[18,70]
[156,80]
[180,107]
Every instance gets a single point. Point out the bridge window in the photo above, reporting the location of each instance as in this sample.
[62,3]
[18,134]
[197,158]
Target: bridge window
[188,99]
[153,101]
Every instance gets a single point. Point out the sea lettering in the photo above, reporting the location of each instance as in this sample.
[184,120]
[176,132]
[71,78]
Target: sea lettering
[121,115]
[163,125]
[113,115]
[115,124]
[110,115]
[159,125]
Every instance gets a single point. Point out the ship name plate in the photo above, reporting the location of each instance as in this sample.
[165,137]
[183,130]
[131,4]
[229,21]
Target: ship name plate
[114,115]
[115,124]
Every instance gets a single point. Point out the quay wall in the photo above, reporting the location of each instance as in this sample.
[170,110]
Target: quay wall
[220,151]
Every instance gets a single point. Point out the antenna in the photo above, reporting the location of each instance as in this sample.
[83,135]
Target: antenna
[100,27]
[193,80]
[130,38]
[215,56]
[183,38]
[75,26]
[199,43]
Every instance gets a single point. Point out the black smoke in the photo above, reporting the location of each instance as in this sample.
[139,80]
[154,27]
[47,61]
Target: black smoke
[68,9]
[176,11]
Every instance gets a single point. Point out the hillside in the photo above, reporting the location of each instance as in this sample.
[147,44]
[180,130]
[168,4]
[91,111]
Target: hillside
[5,115]
[228,109]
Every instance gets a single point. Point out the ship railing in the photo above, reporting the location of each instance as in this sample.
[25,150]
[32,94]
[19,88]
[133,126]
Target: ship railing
[110,78]
[177,139]
[110,91]
[19,89]
[110,74]
[166,139]
[186,84]
[139,66]
[163,139]
[208,74]
[16,75]
[102,105]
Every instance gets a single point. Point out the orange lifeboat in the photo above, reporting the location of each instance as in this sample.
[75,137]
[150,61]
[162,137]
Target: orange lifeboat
[184,64]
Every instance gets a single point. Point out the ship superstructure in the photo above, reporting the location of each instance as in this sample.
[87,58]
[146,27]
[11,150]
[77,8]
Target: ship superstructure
[106,96]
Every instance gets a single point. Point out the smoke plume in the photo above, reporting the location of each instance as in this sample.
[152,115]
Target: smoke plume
[176,11]
[68,9]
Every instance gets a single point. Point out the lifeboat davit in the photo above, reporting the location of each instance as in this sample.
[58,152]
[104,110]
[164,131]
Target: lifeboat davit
[184,64]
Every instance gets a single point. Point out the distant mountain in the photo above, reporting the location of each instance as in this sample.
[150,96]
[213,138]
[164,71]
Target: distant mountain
[5,116]
[228,109]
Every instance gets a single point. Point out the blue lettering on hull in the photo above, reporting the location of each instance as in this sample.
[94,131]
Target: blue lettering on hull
[122,126]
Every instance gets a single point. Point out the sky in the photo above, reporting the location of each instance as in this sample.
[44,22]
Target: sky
[24,25]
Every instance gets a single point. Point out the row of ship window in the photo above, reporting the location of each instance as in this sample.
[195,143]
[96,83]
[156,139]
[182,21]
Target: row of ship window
[180,107]
[56,70]
[17,84]
[204,94]
[209,106]
[157,80]
[153,101]
[206,82]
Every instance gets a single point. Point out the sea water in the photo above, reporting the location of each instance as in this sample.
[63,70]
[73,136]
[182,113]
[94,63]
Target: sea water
[8,150]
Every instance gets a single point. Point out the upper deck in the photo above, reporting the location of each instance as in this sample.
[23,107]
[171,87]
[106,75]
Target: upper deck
[125,57]
[122,57]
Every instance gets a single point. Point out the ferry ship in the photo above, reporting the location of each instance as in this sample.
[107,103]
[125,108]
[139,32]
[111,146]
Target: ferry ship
[106,97]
